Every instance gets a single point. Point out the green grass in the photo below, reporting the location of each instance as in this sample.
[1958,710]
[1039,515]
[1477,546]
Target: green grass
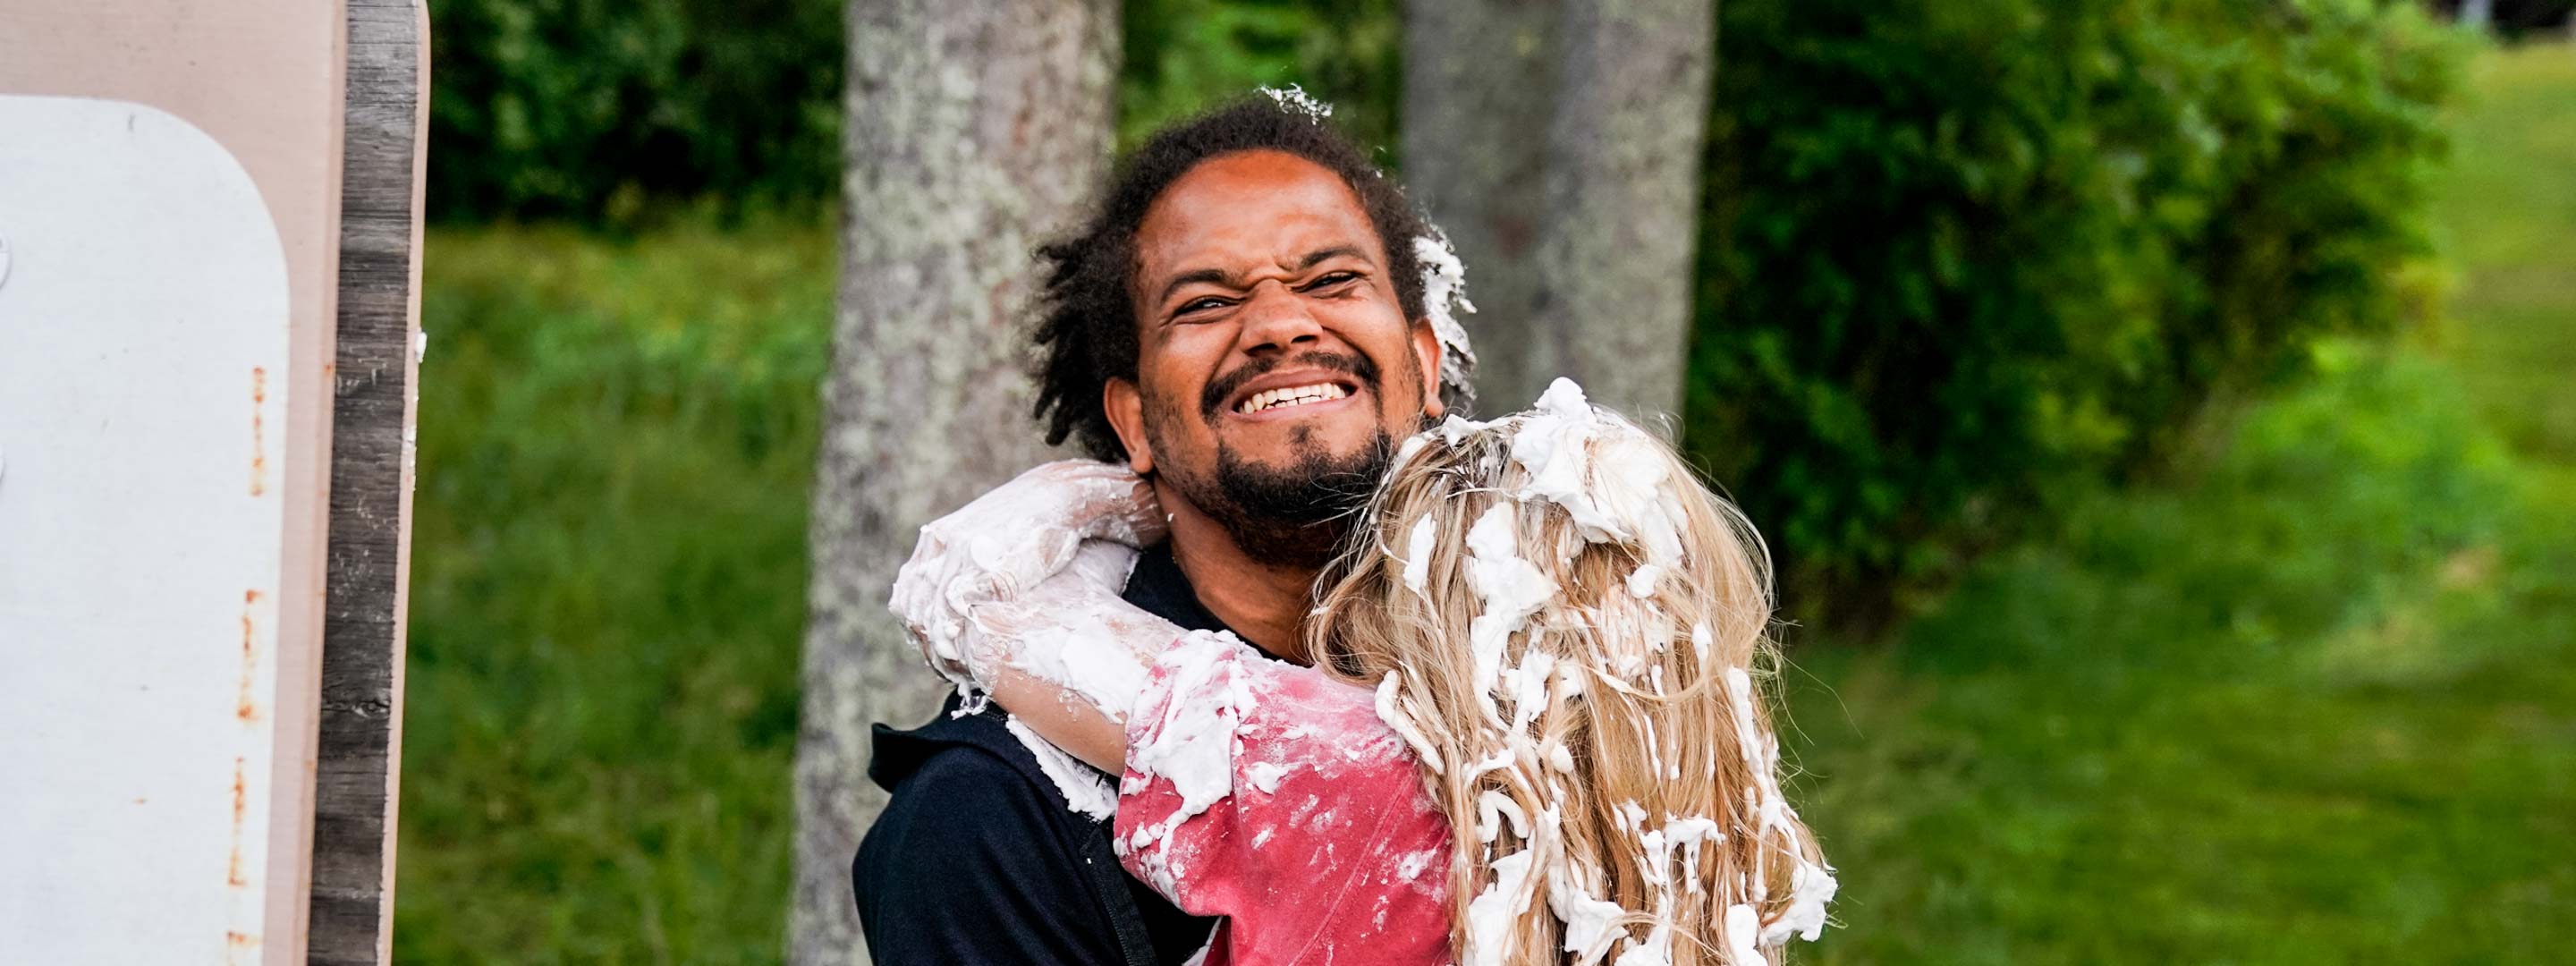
[2317,705]
[2313,702]
[608,594]
[2509,211]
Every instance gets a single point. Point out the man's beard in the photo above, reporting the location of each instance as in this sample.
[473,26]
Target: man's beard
[1296,515]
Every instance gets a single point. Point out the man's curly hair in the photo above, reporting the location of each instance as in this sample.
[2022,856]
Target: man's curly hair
[1086,329]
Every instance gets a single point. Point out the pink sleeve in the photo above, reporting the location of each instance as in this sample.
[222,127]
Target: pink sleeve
[1272,795]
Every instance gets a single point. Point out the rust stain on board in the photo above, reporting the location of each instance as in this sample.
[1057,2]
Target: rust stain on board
[241,809]
[258,437]
[244,707]
[236,941]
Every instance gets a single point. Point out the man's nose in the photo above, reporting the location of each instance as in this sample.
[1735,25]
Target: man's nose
[1277,320]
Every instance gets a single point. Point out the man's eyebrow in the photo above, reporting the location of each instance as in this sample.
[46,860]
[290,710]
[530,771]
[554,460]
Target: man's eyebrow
[1222,277]
[1316,258]
[1217,275]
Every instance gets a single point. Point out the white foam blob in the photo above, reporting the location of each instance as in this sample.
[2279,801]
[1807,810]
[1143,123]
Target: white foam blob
[1444,295]
[1084,790]
[1295,98]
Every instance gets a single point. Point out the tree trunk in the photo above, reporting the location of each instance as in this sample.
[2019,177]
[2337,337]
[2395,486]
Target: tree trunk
[1558,142]
[974,131]
[1478,93]
[1623,180]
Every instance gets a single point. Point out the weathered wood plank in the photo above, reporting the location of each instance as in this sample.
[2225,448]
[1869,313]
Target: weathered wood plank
[371,476]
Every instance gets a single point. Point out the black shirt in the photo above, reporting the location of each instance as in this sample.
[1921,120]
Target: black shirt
[976,859]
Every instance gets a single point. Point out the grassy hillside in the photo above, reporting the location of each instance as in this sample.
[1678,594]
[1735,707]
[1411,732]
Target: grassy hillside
[2313,702]
[2316,705]
[2509,212]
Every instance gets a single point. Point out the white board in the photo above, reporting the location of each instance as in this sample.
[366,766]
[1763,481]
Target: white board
[144,349]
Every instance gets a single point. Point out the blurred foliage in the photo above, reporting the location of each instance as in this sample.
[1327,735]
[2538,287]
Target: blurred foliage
[2313,700]
[1959,259]
[1185,55]
[596,111]
[1956,258]
[610,114]
[607,593]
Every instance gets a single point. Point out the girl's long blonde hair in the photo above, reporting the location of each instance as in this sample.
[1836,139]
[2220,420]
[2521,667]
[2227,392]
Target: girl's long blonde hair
[1605,761]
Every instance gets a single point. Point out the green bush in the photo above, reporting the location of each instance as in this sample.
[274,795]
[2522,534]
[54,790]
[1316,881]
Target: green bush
[598,112]
[1959,257]
[589,109]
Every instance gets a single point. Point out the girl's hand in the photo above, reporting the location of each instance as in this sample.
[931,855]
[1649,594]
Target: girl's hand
[1005,543]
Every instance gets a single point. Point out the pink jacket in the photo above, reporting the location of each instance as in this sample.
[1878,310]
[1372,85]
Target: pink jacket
[1313,835]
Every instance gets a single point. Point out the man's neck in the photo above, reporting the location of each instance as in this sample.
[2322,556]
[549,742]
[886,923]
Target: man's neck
[1263,602]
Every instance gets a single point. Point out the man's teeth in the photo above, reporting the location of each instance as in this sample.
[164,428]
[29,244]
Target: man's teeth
[1291,396]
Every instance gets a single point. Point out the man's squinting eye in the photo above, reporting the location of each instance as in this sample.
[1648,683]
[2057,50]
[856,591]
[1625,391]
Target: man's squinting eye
[1200,304]
[1329,280]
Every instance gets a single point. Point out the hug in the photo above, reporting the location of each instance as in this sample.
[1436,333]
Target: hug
[1306,665]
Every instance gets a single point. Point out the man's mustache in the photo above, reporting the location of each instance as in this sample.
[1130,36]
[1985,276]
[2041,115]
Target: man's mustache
[1356,366]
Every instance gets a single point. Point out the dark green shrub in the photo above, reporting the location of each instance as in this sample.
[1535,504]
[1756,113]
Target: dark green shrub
[596,111]
[1959,257]
[589,109]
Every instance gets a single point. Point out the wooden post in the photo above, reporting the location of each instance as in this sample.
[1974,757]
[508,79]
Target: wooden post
[198,305]
[375,398]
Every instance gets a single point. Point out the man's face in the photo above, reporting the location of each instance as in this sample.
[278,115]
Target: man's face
[1274,364]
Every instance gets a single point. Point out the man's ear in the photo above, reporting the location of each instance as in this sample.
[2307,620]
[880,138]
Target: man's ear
[1125,405]
[1426,347]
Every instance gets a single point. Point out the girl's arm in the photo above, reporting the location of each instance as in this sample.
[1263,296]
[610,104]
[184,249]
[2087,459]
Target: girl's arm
[1069,657]
[1008,541]
[1016,595]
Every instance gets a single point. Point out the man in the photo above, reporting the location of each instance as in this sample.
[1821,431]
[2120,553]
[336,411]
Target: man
[1242,323]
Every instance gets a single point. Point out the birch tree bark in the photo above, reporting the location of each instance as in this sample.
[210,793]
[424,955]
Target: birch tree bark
[1479,89]
[1559,143]
[974,131]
